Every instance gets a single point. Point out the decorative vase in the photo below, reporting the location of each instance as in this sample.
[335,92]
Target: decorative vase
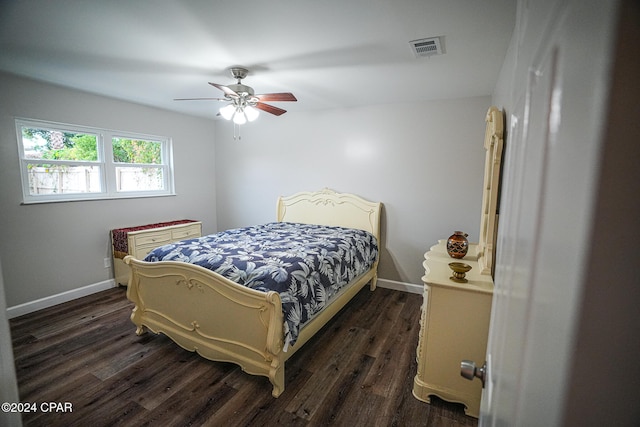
[457,244]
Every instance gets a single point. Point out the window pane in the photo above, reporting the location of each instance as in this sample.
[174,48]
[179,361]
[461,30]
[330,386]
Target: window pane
[46,144]
[139,179]
[63,162]
[63,179]
[137,151]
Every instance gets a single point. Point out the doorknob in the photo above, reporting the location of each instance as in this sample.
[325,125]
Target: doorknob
[469,370]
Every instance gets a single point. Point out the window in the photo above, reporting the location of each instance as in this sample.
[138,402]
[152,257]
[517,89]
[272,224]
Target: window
[60,162]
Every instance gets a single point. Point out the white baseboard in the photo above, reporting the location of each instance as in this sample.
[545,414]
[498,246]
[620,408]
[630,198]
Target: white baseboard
[401,286]
[50,301]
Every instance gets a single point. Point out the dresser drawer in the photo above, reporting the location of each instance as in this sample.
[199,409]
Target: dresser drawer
[186,232]
[151,237]
[141,251]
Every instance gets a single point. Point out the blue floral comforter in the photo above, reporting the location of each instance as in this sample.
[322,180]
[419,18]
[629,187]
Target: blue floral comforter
[306,264]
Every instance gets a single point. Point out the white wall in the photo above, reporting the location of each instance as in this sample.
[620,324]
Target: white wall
[424,161]
[48,249]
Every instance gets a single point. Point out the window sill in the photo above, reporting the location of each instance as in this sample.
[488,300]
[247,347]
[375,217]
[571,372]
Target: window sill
[96,198]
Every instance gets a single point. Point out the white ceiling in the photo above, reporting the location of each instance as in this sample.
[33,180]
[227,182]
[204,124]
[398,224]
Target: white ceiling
[329,53]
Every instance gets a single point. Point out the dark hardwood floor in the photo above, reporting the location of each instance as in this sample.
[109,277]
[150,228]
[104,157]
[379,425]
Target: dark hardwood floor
[357,371]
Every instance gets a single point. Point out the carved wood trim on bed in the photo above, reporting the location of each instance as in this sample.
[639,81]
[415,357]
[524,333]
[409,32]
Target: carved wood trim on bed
[221,320]
[327,207]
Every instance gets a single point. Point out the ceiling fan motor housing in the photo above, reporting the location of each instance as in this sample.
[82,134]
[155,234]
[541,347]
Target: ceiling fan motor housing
[242,90]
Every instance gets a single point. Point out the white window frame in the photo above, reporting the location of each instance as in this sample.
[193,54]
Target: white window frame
[105,163]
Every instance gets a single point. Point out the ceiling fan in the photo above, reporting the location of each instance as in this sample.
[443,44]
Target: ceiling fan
[244,103]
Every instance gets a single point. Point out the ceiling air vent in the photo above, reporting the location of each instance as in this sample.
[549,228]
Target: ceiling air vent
[426,47]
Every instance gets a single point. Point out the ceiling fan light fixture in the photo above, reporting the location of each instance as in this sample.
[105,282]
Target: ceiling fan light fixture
[239,118]
[227,111]
[251,113]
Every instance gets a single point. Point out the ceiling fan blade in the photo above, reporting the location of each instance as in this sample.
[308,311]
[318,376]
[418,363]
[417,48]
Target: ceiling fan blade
[226,90]
[284,96]
[270,109]
[200,99]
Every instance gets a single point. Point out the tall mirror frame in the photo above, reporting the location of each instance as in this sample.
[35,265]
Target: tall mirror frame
[493,144]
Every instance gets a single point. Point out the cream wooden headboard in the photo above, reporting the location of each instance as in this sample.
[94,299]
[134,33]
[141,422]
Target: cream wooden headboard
[493,143]
[326,207]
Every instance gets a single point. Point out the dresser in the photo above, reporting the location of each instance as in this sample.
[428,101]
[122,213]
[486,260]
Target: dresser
[454,326]
[454,323]
[140,240]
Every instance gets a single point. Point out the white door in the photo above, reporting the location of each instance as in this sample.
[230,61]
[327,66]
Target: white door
[551,163]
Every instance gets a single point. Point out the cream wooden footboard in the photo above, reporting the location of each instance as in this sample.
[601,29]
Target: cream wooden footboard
[223,321]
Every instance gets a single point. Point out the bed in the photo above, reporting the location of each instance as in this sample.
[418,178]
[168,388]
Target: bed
[203,311]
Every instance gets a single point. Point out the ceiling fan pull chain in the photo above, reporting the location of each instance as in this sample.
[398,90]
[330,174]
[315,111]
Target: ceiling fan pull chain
[236,137]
